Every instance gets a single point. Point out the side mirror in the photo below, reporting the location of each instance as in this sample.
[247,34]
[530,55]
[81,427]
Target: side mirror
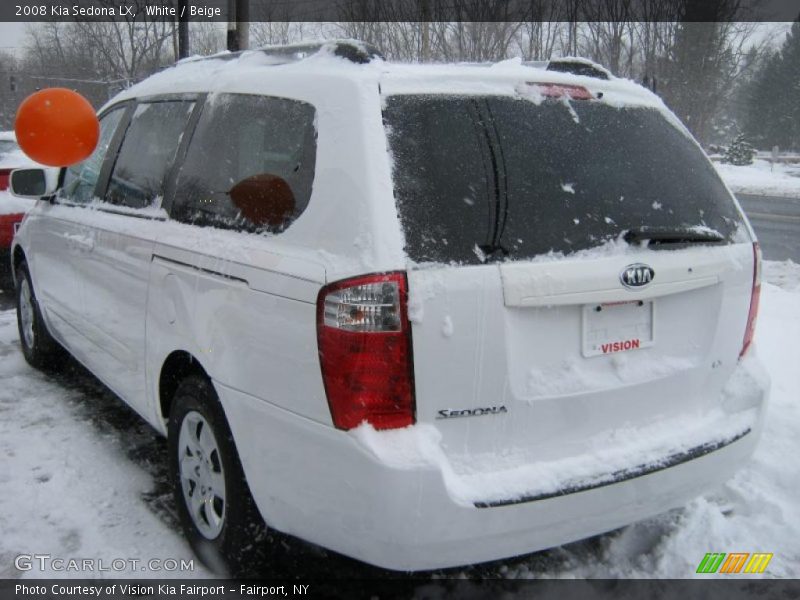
[264,199]
[34,183]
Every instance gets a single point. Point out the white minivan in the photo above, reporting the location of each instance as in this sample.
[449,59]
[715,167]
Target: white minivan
[424,316]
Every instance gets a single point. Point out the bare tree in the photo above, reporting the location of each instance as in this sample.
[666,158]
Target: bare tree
[10,91]
[206,38]
[700,70]
[610,32]
[55,55]
[539,35]
[130,47]
[572,14]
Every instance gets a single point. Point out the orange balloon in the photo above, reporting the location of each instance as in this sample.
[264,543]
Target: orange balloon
[56,127]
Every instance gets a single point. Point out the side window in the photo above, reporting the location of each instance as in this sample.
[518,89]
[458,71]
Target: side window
[250,164]
[81,179]
[147,153]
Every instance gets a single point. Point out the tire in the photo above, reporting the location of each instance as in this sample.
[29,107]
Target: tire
[38,346]
[226,530]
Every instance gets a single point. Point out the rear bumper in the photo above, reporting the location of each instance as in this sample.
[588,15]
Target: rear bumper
[326,487]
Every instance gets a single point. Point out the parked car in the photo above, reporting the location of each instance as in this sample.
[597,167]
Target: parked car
[424,316]
[12,209]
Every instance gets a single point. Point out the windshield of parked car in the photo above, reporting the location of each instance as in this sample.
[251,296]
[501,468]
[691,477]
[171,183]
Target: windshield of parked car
[476,176]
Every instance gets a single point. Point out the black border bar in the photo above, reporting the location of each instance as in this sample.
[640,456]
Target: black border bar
[402,10]
[718,587]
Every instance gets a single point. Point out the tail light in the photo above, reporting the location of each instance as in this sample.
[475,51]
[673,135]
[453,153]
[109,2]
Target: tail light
[364,340]
[755,296]
[5,174]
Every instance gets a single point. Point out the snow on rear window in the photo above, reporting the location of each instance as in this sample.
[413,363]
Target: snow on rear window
[516,179]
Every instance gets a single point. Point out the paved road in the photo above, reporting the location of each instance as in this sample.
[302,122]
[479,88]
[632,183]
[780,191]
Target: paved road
[777,224]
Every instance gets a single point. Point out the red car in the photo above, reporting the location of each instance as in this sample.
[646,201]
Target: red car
[12,209]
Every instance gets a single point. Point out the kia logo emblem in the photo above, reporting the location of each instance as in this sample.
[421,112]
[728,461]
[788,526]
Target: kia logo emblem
[636,275]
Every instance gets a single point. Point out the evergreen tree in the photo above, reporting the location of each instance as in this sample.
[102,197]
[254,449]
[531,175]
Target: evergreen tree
[740,152]
[773,99]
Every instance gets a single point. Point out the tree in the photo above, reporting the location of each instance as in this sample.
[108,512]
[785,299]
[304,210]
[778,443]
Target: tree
[125,48]
[130,47]
[698,74]
[772,108]
[740,152]
[610,30]
[9,89]
[206,37]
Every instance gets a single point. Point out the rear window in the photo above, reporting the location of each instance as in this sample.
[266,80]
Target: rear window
[478,174]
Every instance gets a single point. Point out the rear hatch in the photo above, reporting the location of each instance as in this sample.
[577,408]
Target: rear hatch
[579,280]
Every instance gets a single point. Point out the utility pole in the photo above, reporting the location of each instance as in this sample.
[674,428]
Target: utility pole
[238,25]
[243,23]
[183,29]
[233,37]
[426,30]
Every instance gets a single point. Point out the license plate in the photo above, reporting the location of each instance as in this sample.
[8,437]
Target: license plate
[617,327]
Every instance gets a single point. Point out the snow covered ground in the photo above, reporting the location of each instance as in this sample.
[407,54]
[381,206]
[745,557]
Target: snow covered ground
[762,179]
[71,484]
[83,477]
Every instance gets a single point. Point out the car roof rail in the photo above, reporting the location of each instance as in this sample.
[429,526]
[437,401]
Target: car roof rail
[353,50]
[578,66]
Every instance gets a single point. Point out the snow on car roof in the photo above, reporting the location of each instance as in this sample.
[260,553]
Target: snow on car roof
[256,70]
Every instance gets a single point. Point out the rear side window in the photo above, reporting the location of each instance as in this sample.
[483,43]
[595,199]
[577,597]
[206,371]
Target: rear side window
[480,174]
[147,153]
[250,164]
[81,179]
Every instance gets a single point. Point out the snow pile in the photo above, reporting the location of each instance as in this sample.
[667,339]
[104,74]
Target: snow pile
[782,274]
[69,489]
[762,179]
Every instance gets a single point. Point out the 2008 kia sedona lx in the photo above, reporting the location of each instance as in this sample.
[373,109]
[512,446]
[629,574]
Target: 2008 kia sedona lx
[421,315]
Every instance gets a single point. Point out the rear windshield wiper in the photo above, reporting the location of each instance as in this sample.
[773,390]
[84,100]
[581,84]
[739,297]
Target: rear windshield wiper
[673,235]
[491,252]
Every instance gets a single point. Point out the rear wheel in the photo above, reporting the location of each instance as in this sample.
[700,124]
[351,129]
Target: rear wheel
[216,509]
[38,346]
